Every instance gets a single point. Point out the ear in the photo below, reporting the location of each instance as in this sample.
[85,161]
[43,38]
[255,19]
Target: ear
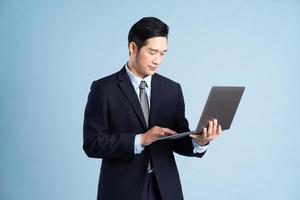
[132,48]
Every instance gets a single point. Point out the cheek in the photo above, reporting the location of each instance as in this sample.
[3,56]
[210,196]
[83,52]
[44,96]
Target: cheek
[144,60]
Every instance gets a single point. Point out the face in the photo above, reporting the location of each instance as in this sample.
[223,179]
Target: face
[147,60]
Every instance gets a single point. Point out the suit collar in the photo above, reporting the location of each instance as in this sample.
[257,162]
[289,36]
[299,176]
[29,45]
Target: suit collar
[128,90]
[122,75]
[155,99]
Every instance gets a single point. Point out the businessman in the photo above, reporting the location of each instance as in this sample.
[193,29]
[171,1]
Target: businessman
[128,111]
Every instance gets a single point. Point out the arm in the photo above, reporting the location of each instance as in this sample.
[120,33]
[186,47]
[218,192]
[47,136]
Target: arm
[199,142]
[183,146]
[98,141]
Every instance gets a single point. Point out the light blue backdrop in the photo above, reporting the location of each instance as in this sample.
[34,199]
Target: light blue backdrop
[51,51]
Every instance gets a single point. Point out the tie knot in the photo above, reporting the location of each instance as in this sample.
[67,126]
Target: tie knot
[143,85]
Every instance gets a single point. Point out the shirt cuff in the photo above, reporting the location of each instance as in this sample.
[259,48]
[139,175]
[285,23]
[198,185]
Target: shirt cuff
[198,148]
[138,148]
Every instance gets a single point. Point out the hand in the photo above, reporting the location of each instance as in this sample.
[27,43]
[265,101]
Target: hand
[208,135]
[154,133]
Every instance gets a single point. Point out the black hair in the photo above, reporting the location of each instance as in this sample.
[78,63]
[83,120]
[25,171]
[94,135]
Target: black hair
[145,28]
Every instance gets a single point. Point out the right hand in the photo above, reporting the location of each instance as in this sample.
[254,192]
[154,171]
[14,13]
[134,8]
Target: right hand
[154,133]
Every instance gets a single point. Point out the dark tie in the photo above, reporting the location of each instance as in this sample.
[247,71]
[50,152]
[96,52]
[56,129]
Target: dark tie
[144,101]
[145,108]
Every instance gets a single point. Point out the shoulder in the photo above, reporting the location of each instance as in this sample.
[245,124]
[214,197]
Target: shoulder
[109,81]
[166,82]
[105,81]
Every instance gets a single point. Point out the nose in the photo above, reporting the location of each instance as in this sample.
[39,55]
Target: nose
[157,59]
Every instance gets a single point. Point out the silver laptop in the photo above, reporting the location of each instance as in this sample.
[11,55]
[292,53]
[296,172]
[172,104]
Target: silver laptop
[221,104]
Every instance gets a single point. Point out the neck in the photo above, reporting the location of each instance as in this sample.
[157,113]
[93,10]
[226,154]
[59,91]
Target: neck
[132,68]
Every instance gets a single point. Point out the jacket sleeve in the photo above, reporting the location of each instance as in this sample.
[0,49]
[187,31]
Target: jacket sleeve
[98,142]
[183,146]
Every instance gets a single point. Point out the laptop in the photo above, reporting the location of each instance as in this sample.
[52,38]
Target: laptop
[221,104]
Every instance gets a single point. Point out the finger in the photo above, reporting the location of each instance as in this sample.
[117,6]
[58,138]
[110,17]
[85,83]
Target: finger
[215,126]
[210,127]
[204,132]
[219,129]
[159,133]
[216,134]
[168,131]
[155,129]
[193,136]
[164,132]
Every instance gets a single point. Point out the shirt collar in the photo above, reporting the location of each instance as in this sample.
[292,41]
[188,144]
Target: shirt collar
[137,80]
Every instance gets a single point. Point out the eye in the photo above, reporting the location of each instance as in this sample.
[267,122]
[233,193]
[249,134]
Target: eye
[152,53]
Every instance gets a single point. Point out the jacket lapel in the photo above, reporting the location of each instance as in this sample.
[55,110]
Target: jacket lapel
[154,101]
[128,90]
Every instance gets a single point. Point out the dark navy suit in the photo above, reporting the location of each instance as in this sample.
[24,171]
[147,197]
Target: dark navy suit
[113,116]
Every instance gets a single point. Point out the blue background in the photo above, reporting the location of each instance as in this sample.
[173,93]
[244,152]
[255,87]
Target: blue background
[51,51]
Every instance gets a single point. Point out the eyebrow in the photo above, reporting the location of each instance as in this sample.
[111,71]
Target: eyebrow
[155,50]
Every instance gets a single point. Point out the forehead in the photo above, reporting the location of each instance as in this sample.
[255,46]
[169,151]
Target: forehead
[157,43]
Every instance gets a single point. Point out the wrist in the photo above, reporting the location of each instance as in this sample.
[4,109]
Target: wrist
[202,143]
[143,139]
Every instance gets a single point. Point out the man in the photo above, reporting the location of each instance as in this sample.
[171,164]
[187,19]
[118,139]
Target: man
[128,111]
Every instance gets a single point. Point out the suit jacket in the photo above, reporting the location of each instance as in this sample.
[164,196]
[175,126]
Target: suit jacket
[113,116]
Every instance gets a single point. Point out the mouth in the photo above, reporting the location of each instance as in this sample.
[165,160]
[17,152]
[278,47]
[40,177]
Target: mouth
[152,68]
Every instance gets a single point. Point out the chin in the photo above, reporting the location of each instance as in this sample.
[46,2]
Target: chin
[148,72]
[151,73]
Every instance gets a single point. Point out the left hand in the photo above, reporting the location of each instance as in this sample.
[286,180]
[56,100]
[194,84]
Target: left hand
[208,134]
